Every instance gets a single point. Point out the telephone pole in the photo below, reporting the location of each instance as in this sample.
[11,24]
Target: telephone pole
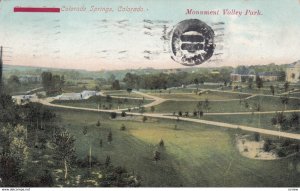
[1,69]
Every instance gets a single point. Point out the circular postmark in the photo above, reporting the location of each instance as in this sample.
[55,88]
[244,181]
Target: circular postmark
[192,42]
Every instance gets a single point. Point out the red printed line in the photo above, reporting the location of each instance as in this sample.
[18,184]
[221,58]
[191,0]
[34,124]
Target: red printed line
[36,10]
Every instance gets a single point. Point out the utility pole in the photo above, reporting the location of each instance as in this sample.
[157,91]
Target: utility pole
[1,69]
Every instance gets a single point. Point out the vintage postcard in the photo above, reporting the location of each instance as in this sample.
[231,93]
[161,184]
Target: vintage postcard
[145,93]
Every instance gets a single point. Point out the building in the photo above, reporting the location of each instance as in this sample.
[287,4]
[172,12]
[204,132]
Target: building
[293,73]
[243,76]
[269,76]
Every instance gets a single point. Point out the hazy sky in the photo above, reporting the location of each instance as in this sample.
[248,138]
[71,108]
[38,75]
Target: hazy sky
[119,40]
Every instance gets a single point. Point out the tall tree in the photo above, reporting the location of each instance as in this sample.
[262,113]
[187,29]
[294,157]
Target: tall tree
[286,86]
[272,89]
[64,149]
[259,82]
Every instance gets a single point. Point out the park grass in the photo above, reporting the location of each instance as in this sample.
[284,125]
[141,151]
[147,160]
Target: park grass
[211,95]
[194,154]
[253,120]
[170,90]
[122,93]
[268,103]
[102,102]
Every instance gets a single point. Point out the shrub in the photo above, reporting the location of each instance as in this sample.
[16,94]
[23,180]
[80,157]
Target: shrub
[113,115]
[256,137]
[98,123]
[267,145]
[123,114]
[144,119]
[156,156]
[123,127]
[161,143]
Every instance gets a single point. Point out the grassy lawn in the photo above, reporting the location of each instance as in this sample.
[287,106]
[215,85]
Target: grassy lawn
[122,93]
[262,121]
[267,104]
[103,103]
[211,95]
[22,89]
[172,90]
[194,155]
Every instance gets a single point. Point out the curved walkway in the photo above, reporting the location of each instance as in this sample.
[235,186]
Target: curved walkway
[200,121]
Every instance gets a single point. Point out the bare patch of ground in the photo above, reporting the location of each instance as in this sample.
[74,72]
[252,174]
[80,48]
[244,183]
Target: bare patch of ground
[253,149]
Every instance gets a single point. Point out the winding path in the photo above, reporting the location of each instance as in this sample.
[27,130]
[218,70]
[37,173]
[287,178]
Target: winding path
[200,121]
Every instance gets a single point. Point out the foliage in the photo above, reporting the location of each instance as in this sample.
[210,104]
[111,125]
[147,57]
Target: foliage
[113,115]
[52,84]
[64,149]
[123,127]
[259,82]
[156,155]
[123,114]
[144,119]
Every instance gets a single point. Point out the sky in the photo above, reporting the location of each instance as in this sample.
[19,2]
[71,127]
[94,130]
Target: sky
[130,40]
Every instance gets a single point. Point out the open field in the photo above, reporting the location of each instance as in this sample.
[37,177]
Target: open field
[102,102]
[194,155]
[211,95]
[266,104]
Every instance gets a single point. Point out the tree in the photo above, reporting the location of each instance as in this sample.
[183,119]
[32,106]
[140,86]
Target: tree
[129,90]
[100,142]
[98,123]
[199,107]
[109,137]
[294,120]
[180,113]
[64,149]
[206,105]
[286,86]
[156,155]
[267,145]
[259,82]
[113,115]
[123,127]
[161,143]
[123,114]
[115,85]
[84,130]
[280,120]
[152,109]
[256,136]
[272,89]
[142,110]
[144,119]
[196,81]
[250,83]
[52,84]
[284,100]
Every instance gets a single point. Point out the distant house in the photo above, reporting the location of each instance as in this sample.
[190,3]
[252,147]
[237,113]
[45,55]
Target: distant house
[293,73]
[269,76]
[243,76]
